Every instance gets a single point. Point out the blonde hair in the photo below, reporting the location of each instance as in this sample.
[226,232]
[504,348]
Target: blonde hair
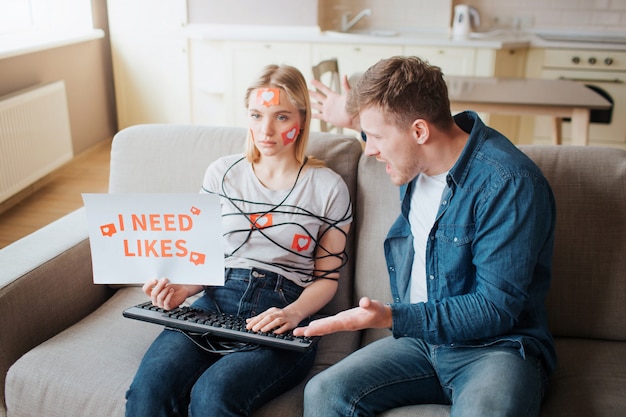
[290,80]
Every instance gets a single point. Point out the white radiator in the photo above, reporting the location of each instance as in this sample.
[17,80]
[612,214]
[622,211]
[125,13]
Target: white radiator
[35,136]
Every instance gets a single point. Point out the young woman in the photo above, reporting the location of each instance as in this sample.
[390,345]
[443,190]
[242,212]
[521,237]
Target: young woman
[285,218]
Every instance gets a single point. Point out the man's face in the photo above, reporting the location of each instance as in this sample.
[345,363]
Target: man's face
[396,147]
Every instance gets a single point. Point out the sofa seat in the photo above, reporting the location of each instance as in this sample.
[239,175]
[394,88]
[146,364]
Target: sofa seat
[112,346]
[54,378]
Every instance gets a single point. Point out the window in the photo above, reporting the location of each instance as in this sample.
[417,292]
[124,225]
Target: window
[19,16]
[15,15]
[30,25]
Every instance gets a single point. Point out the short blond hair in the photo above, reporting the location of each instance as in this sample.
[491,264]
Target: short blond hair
[404,88]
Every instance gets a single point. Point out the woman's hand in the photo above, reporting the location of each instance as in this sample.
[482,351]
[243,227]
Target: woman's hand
[277,320]
[165,295]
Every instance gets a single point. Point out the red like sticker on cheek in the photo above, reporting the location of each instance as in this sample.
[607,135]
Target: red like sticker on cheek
[268,97]
[290,135]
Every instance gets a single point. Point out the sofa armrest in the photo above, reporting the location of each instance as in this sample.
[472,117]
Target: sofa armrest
[46,286]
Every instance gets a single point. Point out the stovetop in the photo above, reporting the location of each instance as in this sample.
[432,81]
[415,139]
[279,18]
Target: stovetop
[582,37]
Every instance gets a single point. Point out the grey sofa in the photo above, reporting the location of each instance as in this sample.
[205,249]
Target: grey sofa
[66,350]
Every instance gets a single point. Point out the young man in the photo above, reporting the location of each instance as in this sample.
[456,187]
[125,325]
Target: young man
[469,260]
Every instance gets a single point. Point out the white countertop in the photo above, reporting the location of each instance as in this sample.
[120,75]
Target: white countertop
[605,41]
[497,39]
[313,34]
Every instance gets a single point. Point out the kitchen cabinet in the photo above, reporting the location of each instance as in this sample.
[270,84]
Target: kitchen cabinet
[481,62]
[167,71]
[243,62]
[354,59]
[451,60]
[506,63]
[500,62]
[207,82]
[150,61]
[221,72]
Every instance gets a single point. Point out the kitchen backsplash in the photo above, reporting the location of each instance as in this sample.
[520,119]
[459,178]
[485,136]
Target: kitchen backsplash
[581,15]
[397,14]
[426,15]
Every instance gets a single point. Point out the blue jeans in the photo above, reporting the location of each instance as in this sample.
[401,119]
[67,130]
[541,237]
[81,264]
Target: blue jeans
[178,378]
[389,373]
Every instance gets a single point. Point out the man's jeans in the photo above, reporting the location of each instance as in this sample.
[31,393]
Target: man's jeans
[389,373]
[178,378]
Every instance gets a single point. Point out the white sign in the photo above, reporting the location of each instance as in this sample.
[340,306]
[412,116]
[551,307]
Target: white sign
[138,237]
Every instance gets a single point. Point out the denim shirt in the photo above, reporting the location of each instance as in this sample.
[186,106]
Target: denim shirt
[488,255]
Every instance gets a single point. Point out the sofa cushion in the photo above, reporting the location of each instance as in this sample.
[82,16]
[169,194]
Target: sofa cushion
[590,379]
[36,271]
[378,206]
[425,410]
[331,349]
[341,154]
[587,297]
[86,369]
[168,158]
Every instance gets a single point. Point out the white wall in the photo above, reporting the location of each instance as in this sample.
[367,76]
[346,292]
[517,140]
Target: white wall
[254,12]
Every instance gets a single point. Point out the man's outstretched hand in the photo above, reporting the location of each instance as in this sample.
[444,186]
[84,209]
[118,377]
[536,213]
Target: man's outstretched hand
[331,106]
[369,314]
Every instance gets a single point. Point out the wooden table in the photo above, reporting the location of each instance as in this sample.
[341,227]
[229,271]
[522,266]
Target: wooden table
[555,98]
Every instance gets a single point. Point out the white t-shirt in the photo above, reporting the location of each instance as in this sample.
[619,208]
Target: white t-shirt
[276,230]
[425,199]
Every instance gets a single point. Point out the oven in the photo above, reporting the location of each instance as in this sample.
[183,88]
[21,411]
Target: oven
[600,70]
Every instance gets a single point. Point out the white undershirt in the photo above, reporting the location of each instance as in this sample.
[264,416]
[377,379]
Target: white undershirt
[425,200]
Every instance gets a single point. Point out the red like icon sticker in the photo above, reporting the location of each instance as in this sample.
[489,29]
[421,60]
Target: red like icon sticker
[259,221]
[197,258]
[108,229]
[290,135]
[300,242]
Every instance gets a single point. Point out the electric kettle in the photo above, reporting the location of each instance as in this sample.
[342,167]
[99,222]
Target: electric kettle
[466,18]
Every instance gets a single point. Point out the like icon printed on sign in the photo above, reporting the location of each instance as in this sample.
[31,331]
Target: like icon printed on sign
[197,258]
[108,229]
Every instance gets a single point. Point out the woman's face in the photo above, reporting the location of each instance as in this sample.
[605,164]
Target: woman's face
[274,121]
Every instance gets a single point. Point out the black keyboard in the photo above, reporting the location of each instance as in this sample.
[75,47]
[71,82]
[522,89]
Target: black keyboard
[219,324]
